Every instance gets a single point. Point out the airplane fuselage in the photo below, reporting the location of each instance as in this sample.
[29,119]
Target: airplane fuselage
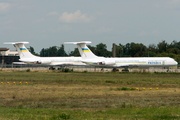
[133,62]
[54,60]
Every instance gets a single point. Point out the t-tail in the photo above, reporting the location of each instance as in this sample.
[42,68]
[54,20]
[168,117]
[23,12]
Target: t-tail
[85,52]
[22,50]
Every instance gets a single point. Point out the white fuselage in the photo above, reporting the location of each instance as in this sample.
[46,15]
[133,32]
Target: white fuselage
[132,61]
[54,60]
[90,58]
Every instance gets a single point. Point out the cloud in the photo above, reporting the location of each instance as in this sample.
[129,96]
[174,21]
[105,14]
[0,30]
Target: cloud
[102,30]
[4,7]
[74,17]
[53,13]
[152,33]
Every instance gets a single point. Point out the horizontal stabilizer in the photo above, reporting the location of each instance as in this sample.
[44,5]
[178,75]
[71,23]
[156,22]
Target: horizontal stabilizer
[16,43]
[81,42]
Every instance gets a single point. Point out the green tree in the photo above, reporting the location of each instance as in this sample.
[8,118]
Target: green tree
[174,47]
[173,50]
[31,50]
[119,50]
[61,51]
[75,52]
[42,52]
[174,44]
[126,49]
[53,51]
[137,50]
[162,46]
[152,50]
[101,50]
[49,52]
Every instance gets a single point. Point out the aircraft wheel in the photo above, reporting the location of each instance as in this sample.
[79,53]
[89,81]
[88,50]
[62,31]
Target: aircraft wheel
[51,68]
[124,70]
[115,70]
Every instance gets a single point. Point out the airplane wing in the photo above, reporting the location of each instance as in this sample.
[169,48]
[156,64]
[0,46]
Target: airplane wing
[126,65]
[19,63]
[67,64]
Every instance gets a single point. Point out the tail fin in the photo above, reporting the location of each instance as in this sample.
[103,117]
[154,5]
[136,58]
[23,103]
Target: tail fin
[22,50]
[85,52]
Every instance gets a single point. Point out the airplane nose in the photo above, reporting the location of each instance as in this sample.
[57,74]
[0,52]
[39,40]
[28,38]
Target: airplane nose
[175,62]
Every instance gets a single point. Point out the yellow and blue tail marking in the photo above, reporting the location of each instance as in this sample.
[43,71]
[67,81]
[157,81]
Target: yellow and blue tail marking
[85,50]
[23,50]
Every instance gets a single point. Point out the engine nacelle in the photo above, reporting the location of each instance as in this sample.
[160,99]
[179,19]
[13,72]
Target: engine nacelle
[37,62]
[42,62]
[107,63]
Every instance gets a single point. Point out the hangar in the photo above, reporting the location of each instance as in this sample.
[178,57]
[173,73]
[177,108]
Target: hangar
[7,57]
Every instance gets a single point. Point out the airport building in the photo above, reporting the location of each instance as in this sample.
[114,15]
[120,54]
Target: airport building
[8,57]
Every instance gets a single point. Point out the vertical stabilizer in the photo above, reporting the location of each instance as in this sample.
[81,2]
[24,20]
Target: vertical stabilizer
[84,51]
[22,50]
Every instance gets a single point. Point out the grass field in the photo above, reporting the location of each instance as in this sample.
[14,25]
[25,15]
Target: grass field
[92,96]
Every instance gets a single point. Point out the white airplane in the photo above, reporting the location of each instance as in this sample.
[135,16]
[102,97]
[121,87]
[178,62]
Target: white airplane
[27,57]
[89,58]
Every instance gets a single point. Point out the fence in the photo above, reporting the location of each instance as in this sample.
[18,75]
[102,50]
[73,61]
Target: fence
[37,67]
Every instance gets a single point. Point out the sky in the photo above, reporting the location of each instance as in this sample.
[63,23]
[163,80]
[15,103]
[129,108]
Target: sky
[47,23]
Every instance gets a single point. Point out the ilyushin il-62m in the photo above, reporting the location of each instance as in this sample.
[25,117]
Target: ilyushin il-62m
[27,57]
[125,62]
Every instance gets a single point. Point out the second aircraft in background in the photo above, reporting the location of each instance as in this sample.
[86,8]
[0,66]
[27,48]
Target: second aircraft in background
[27,57]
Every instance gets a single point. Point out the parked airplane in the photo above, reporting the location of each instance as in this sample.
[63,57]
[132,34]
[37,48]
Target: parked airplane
[27,57]
[89,58]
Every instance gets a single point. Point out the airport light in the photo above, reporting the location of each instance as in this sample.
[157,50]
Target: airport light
[26,83]
[157,88]
[20,83]
[45,117]
[150,88]
[144,88]
[8,83]
[14,83]
[137,88]
[2,83]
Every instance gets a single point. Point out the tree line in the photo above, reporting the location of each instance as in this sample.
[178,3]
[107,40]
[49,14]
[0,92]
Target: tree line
[162,49]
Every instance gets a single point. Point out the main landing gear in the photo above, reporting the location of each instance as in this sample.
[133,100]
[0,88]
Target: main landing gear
[125,69]
[115,70]
[51,68]
[59,68]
